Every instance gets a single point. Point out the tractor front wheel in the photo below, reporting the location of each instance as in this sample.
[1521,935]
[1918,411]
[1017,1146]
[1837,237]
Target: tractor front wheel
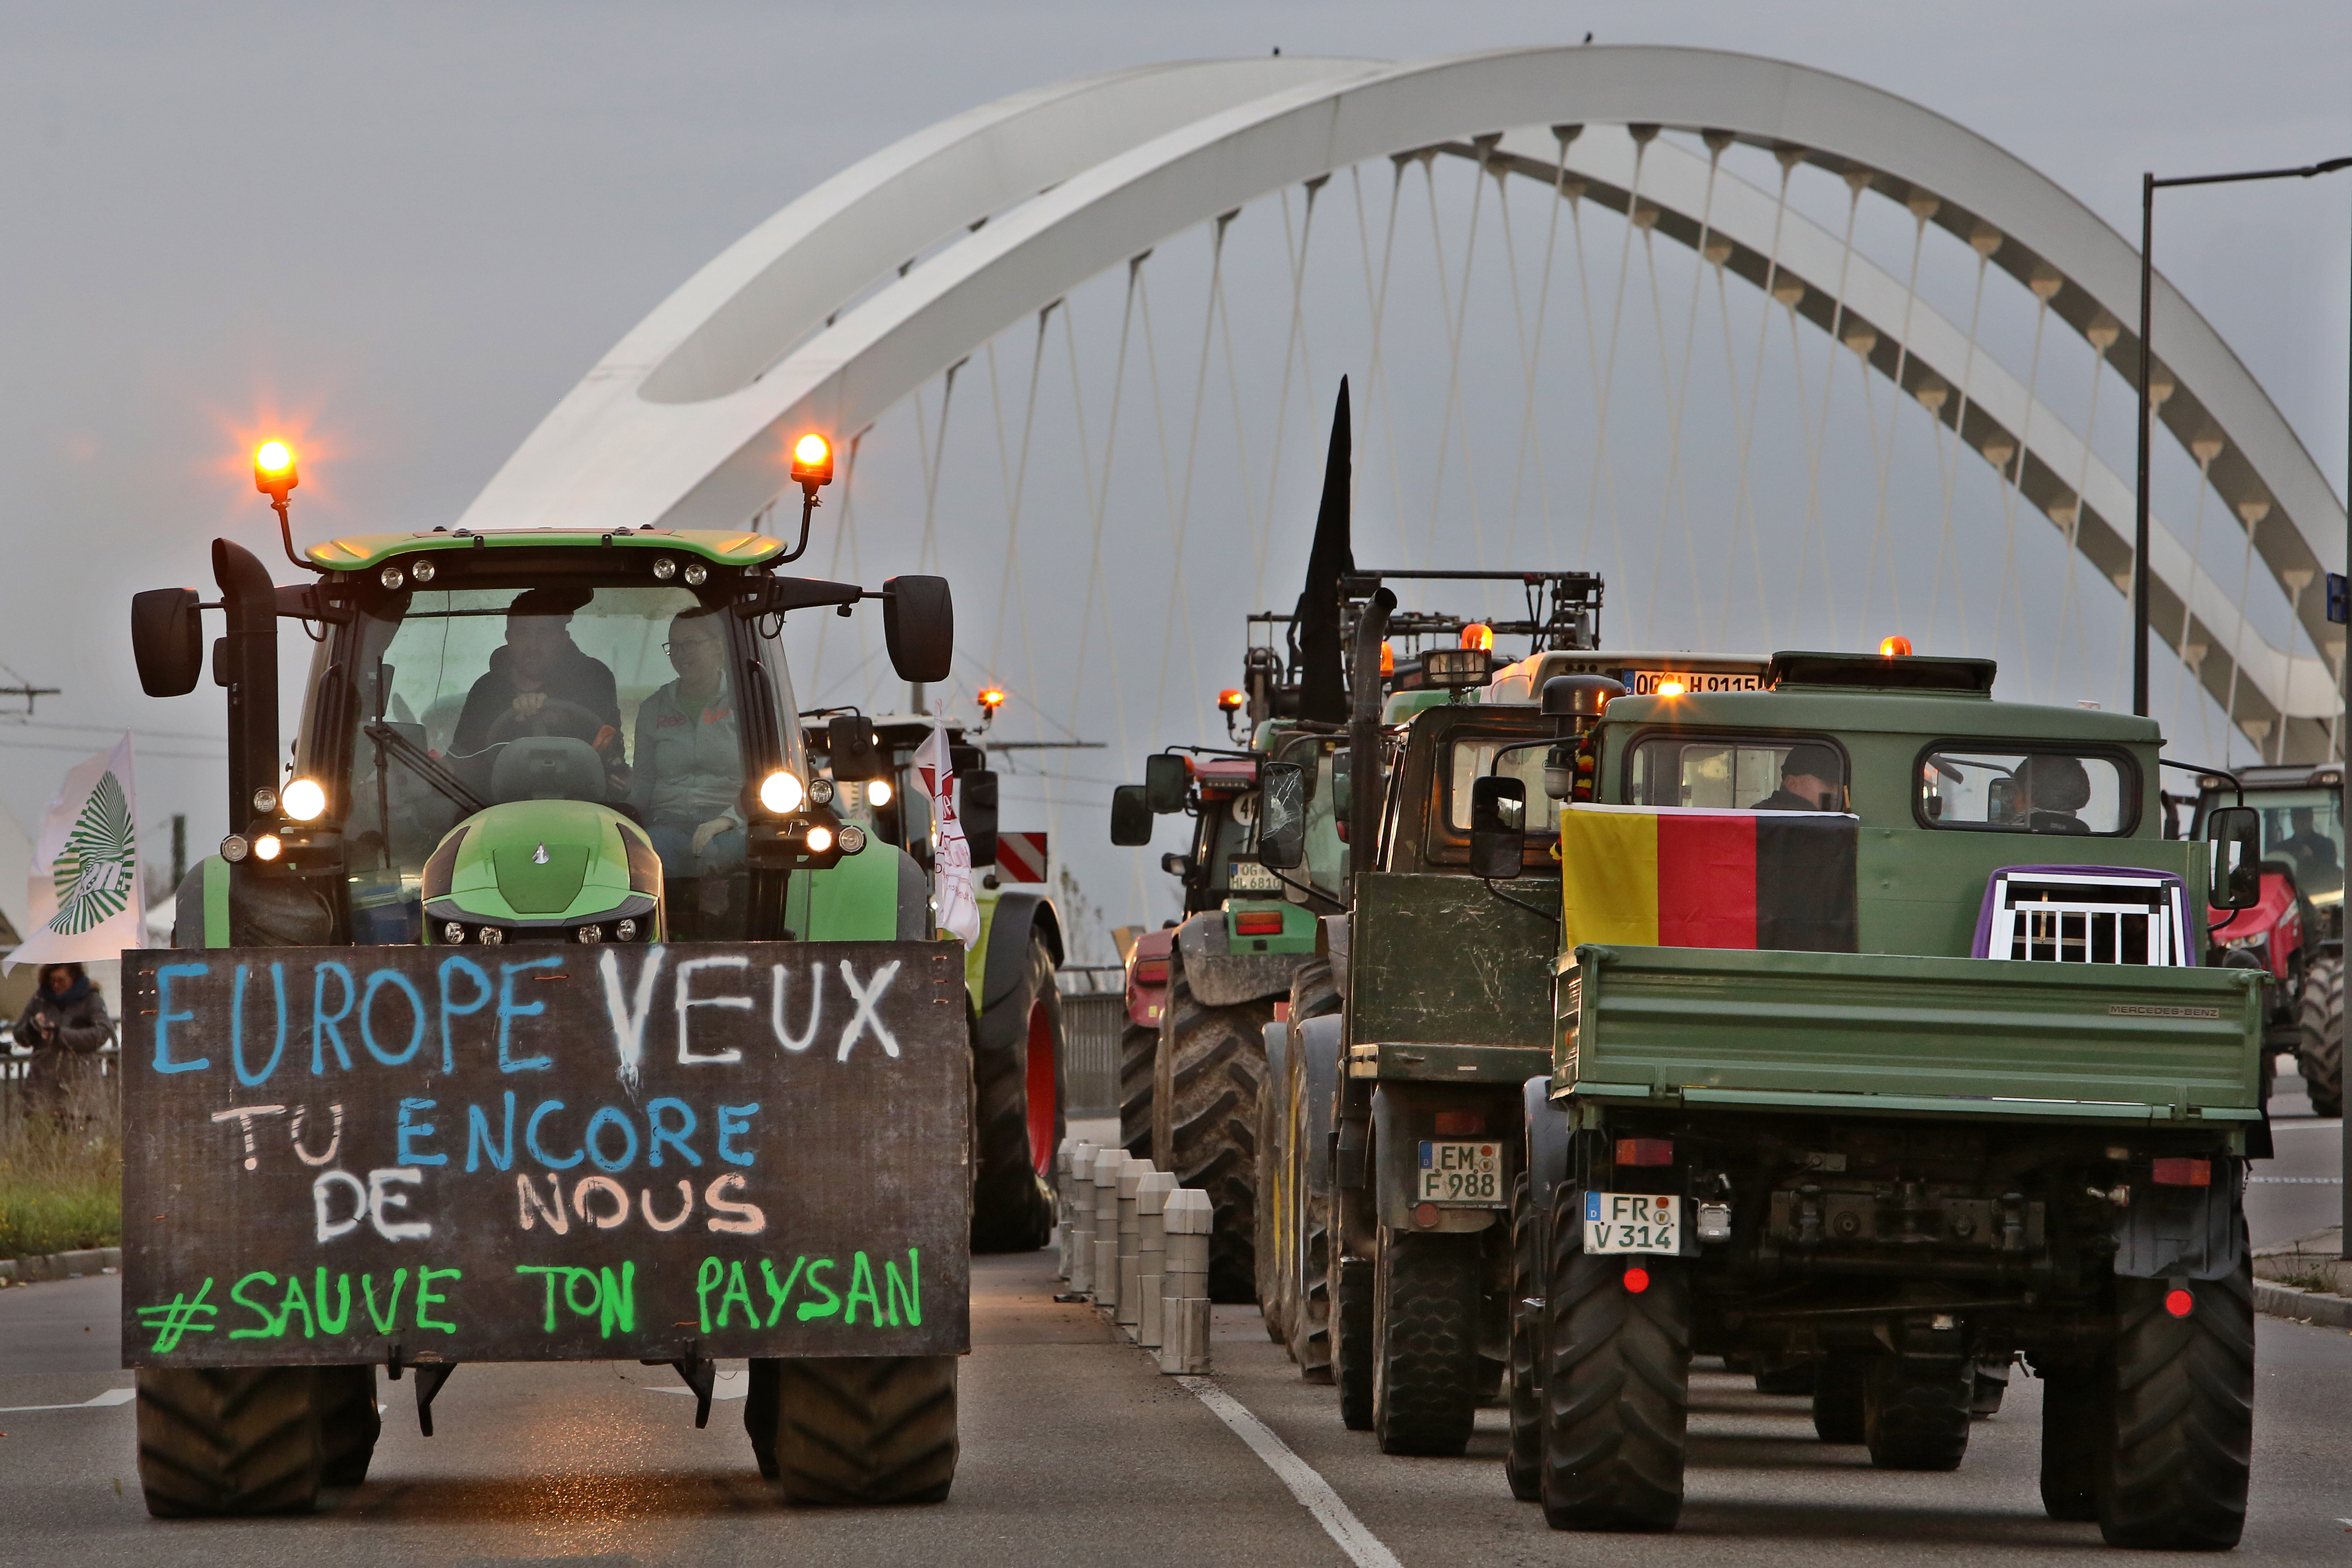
[223,1442]
[854,1429]
[2320,1056]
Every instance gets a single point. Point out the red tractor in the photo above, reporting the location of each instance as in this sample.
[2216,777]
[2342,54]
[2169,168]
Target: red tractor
[2295,935]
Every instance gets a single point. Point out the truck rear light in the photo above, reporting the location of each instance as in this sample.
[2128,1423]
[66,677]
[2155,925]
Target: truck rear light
[1258,922]
[1645,1151]
[2183,1173]
[1637,1279]
[2179,1302]
[1461,1123]
[1152,972]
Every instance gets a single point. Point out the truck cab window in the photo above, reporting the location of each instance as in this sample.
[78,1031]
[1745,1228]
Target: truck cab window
[1738,774]
[2066,792]
[1518,757]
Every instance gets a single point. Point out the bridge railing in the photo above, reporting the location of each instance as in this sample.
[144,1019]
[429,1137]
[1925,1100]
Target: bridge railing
[1094,1014]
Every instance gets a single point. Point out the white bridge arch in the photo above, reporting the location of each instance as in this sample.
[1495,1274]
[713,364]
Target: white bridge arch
[846,302]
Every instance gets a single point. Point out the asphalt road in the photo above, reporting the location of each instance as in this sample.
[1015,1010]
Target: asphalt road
[2292,1196]
[1076,1452]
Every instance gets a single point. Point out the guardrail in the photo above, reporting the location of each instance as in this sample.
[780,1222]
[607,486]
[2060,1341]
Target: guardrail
[1139,1244]
[1093,1015]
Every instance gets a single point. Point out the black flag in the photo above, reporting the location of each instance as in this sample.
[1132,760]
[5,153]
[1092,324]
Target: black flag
[1323,693]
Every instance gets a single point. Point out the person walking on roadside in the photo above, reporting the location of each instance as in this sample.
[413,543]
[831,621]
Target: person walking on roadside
[65,1023]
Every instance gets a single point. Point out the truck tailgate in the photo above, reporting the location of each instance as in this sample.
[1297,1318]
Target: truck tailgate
[1881,1034]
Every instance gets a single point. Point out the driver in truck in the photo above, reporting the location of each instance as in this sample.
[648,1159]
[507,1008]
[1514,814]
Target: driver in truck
[1810,776]
[540,666]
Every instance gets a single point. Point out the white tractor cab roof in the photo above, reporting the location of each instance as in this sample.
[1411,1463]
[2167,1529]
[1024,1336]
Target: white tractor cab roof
[1643,673]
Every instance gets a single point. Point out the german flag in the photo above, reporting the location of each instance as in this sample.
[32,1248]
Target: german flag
[1675,876]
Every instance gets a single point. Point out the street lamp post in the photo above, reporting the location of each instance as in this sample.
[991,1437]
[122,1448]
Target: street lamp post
[2338,588]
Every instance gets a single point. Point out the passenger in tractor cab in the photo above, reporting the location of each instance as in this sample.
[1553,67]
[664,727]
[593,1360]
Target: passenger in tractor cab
[2057,788]
[539,683]
[1812,779]
[689,782]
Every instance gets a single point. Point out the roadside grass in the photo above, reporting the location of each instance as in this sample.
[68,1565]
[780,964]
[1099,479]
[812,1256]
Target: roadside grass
[61,1185]
[2314,1278]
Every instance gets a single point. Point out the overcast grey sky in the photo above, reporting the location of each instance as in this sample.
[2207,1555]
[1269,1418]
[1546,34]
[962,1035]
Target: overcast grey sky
[402,231]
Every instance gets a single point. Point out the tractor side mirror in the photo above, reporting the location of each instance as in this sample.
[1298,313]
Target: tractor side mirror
[1499,815]
[976,811]
[1130,817]
[850,749]
[1282,815]
[167,640]
[1342,791]
[1166,776]
[2236,882]
[918,625]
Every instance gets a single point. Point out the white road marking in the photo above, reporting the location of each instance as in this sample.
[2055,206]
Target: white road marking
[96,1401]
[2297,1181]
[2331,1125]
[1313,1493]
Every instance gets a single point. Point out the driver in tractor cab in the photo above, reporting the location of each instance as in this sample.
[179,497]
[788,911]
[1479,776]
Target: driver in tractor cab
[2313,852]
[1810,781]
[2058,788]
[540,683]
[688,783]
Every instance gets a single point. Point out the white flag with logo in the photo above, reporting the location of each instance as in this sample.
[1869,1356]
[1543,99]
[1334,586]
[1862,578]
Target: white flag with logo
[85,900]
[957,905]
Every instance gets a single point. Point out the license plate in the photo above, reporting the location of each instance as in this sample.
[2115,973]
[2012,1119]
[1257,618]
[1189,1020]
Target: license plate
[1633,1222]
[1647,682]
[1470,1174]
[1250,876]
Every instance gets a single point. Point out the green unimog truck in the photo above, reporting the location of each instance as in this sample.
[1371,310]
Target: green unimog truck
[1879,1050]
[540,1008]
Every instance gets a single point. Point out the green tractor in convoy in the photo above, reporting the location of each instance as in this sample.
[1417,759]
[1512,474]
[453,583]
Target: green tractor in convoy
[1872,1054]
[1020,1049]
[538,756]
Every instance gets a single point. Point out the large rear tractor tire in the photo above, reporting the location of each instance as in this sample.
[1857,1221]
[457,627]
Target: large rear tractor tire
[1352,1342]
[348,1424]
[1018,1056]
[1138,1049]
[2184,1415]
[2077,1424]
[1276,1265]
[1616,1383]
[1425,1365]
[1310,1198]
[1523,1459]
[854,1429]
[1205,1095]
[1837,1396]
[222,1442]
[1914,1411]
[2320,1057]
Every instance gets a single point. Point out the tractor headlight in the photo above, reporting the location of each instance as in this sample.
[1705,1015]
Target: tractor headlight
[782,793]
[452,933]
[305,800]
[588,933]
[491,936]
[625,931]
[879,793]
[267,847]
[820,839]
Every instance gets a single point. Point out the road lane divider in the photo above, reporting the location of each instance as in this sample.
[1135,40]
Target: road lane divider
[1137,1244]
[1306,1483]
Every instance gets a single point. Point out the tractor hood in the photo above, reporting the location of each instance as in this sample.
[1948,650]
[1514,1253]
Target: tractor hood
[543,869]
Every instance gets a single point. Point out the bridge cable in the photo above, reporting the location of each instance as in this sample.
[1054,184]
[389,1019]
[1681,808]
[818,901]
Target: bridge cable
[2205,449]
[1984,242]
[932,448]
[1677,489]
[1744,507]
[1013,585]
[1376,302]
[2012,468]
[1604,474]
[1192,454]
[1817,434]
[1531,357]
[2101,334]
[1922,207]
[1097,501]
[1455,319]
[1176,599]
[1294,344]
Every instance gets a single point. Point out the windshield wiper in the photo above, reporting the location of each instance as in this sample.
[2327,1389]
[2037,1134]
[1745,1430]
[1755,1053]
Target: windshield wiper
[423,765]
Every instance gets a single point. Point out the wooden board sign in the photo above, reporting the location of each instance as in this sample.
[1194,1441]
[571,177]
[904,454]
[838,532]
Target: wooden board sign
[537,1152]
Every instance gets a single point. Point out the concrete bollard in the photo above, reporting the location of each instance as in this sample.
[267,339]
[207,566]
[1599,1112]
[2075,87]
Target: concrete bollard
[1079,1189]
[1131,1235]
[1108,1166]
[1062,1207]
[1184,1322]
[1151,1253]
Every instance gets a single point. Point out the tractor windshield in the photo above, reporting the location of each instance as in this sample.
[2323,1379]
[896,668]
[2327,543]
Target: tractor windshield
[627,697]
[2303,828]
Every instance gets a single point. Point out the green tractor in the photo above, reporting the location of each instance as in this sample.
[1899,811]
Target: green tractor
[540,756]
